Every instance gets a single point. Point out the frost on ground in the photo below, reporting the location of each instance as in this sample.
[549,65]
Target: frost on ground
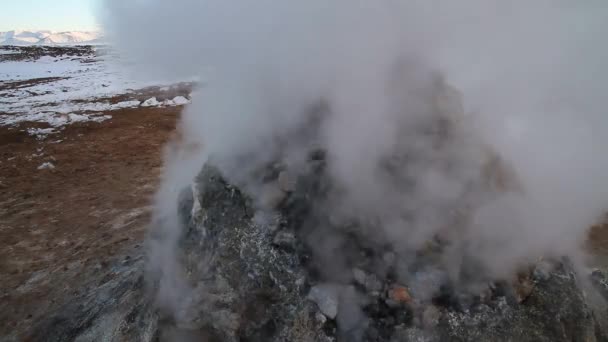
[74,87]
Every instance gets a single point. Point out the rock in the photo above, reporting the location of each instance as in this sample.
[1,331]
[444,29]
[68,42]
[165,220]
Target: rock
[360,276]
[284,239]
[117,310]
[523,286]
[373,285]
[320,317]
[399,294]
[547,315]
[229,282]
[370,282]
[430,317]
[327,299]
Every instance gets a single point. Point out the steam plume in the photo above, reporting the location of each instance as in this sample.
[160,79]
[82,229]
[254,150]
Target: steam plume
[521,82]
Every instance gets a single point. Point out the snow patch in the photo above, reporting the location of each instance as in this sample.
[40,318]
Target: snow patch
[151,102]
[40,133]
[46,166]
[180,101]
[125,104]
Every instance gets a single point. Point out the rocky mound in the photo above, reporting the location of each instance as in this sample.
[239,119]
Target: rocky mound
[252,276]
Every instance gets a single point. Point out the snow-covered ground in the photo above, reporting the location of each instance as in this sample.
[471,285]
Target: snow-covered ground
[70,88]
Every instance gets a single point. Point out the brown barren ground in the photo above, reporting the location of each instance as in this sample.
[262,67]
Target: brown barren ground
[61,227]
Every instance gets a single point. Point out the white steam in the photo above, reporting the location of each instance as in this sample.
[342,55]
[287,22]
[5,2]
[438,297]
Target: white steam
[532,75]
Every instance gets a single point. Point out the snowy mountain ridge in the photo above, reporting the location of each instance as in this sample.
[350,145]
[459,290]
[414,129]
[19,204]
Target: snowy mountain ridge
[50,38]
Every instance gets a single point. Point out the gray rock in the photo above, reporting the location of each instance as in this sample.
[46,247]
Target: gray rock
[360,276]
[370,282]
[548,314]
[327,299]
[241,287]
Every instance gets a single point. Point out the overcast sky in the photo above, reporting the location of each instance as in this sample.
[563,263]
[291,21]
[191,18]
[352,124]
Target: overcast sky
[55,15]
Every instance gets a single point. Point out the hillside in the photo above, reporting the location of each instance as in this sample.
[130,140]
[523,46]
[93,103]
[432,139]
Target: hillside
[50,38]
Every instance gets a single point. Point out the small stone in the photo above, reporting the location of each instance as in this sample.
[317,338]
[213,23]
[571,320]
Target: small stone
[326,298]
[286,182]
[320,318]
[399,294]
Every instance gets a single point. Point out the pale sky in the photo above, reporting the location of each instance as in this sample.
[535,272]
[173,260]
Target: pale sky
[54,15]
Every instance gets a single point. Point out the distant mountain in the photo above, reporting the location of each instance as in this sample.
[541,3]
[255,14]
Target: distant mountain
[50,38]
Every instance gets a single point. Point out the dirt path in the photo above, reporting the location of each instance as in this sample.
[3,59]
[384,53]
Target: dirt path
[60,226]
